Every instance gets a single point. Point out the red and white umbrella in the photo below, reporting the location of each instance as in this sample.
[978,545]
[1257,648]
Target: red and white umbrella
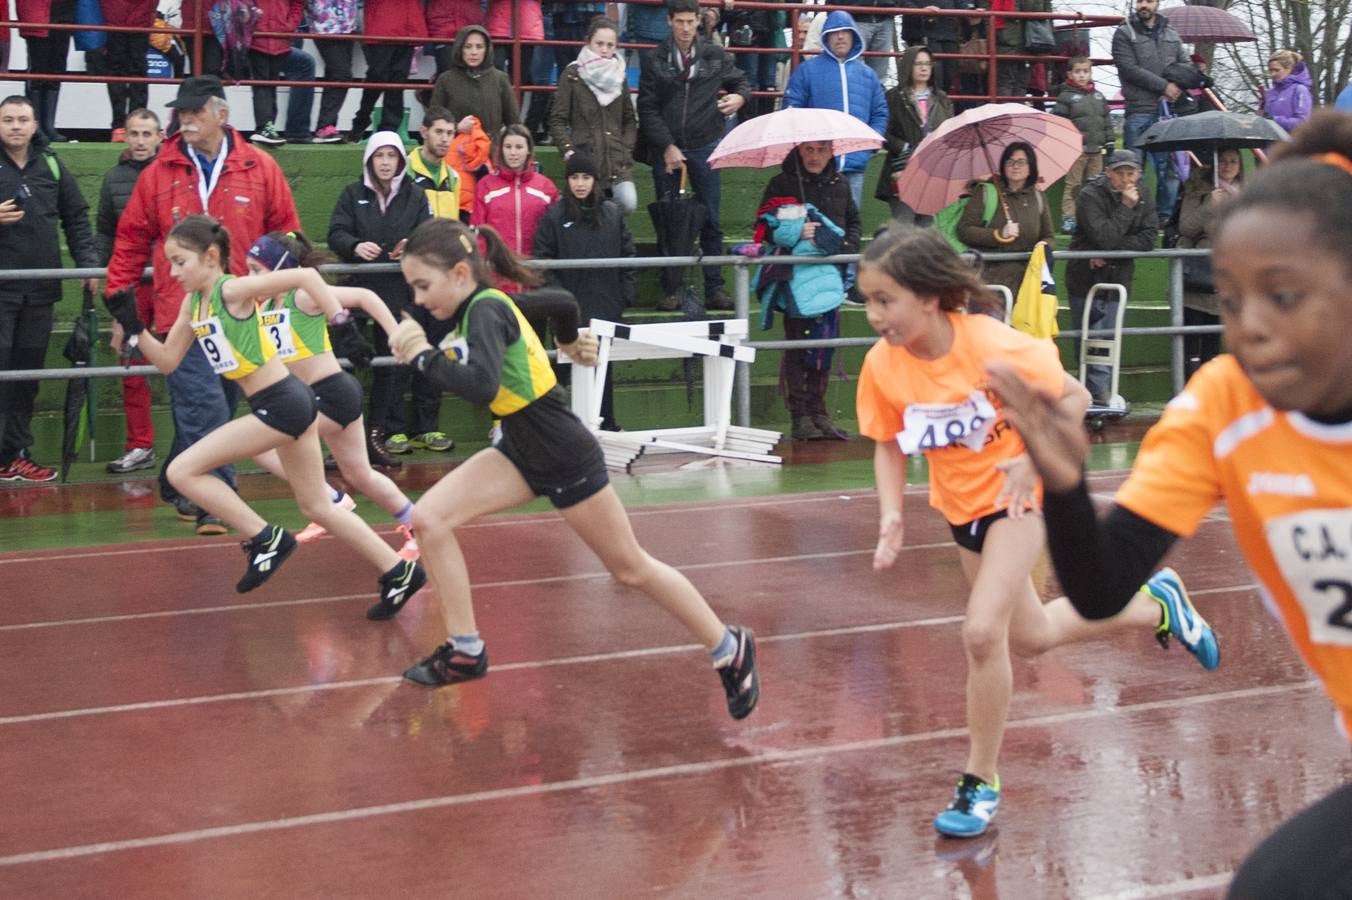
[968,146]
[765,140]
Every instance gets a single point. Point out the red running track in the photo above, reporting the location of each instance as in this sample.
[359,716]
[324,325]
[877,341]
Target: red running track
[163,736]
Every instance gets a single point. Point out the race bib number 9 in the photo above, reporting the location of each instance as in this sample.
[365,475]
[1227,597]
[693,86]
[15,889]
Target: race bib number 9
[215,345]
[934,426]
[1313,549]
[276,325]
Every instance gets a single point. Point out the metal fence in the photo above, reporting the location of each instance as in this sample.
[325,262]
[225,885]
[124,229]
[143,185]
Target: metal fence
[742,267]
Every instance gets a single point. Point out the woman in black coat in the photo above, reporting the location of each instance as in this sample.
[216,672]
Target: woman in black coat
[370,223]
[581,224]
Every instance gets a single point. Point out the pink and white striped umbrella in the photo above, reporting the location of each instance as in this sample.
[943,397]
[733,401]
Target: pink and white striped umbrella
[765,140]
[968,146]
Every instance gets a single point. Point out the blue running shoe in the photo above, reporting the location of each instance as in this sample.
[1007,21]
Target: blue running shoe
[1181,618]
[974,803]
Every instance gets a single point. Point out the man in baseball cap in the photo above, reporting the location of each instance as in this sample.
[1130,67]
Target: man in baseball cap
[194,92]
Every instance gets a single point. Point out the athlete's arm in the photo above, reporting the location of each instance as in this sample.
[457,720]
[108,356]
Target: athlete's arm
[477,374]
[1101,564]
[369,302]
[889,473]
[165,355]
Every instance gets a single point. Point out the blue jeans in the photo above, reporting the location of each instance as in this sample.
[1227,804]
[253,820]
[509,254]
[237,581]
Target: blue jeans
[1166,179]
[298,66]
[201,401]
[706,185]
[880,36]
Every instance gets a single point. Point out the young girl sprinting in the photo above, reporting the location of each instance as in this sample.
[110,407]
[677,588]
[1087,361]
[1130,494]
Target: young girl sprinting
[492,358]
[219,312]
[922,390]
[299,331]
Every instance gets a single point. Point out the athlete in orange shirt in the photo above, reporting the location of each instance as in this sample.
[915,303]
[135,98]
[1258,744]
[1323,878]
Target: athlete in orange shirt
[1269,431]
[922,390]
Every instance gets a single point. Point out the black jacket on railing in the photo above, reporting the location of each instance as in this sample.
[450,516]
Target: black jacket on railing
[53,196]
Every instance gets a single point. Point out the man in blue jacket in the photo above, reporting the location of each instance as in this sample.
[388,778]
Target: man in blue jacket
[836,79]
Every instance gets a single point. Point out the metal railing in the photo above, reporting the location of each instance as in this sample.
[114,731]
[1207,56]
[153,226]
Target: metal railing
[742,267]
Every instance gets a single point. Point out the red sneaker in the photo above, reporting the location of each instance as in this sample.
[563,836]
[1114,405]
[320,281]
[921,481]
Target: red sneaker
[24,469]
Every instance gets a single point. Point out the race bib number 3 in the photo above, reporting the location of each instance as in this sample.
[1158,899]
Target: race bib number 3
[215,345]
[933,426]
[276,325]
[1313,549]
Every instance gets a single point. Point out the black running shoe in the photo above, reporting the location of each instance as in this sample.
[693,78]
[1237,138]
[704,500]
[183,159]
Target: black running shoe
[448,665]
[396,586]
[740,678]
[266,554]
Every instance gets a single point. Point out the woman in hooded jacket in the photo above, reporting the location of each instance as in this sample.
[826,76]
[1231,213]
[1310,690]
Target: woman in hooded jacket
[592,113]
[370,224]
[583,224]
[1289,101]
[472,87]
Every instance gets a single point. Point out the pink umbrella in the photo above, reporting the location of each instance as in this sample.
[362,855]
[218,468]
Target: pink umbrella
[1206,25]
[765,140]
[968,146]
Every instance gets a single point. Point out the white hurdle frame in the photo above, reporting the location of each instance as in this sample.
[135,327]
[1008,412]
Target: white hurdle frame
[718,345]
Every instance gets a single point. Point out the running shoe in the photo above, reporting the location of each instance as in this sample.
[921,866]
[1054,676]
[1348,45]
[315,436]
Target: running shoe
[399,443]
[268,136]
[448,665]
[266,554]
[209,525]
[432,440]
[185,510]
[314,531]
[396,586]
[134,459]
[741,681]
[974,805]
[21,468]
[1181,619]
[410,549]
[329,134]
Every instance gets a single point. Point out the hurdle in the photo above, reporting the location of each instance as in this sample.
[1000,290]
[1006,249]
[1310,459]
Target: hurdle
[717,344]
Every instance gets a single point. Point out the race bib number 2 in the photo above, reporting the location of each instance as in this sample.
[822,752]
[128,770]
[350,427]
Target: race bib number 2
[934,426]
[1313,550]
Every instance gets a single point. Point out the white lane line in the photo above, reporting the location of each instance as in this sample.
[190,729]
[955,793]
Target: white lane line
[1170,889]
[506,667]
[767,757]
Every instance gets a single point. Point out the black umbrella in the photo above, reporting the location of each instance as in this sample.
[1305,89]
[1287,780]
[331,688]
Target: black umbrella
[80,406]
[677,220]
[1214,131]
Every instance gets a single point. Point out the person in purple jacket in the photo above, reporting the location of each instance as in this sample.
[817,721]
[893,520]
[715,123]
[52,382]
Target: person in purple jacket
[1289,101]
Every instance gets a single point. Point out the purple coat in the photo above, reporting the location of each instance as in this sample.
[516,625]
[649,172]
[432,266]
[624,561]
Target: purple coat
[1289,101]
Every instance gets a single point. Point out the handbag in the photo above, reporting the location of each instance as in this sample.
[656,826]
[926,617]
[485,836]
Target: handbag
[976,47]
[88,12]
[1038,36]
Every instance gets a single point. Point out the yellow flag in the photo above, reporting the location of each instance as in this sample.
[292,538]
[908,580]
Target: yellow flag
[1035,305]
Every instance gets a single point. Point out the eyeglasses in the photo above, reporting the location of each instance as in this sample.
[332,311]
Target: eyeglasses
[1017,162]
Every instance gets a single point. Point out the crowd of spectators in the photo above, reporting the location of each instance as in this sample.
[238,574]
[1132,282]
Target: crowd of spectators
[475,160]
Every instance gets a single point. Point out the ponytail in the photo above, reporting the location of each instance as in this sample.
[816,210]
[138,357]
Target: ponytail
[444,243]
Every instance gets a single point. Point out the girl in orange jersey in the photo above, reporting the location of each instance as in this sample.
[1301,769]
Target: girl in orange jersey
[1268,430]
[922,390]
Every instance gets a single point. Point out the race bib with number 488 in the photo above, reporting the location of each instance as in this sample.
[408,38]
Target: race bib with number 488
[933,426]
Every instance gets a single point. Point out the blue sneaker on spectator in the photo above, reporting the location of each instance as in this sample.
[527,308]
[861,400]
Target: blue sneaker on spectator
[974,805]
[1181,619]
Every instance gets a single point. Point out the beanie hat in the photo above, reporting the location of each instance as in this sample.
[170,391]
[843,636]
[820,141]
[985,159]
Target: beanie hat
[581,163]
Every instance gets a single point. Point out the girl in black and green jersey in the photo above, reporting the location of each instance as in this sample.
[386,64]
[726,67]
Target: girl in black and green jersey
[219,312]
[493,358]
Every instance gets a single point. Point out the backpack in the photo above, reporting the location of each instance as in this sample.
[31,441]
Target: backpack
[946,220]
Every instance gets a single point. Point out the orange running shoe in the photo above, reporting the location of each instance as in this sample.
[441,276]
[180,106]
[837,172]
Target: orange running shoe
[314,531]
[410,549]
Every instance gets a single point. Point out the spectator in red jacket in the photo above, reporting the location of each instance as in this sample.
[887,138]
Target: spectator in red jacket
[387,63]
[513,197]
[124,54]
[266,58]
[445,18]
[205,168]
[47,51]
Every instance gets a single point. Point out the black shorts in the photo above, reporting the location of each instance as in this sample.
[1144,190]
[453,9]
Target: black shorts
[972,536]
[338,396]
[565,488]
[289,406]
